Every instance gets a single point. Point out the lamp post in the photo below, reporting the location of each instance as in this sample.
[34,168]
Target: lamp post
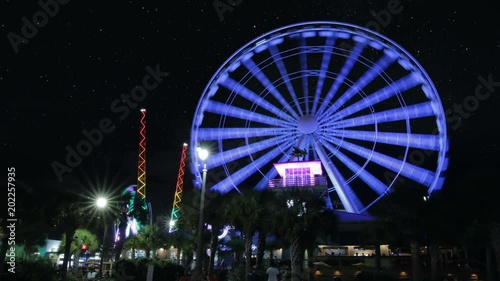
[203,155]
[101,204]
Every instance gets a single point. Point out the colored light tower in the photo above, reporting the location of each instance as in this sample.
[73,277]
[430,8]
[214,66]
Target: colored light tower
[141,178]
[174,217]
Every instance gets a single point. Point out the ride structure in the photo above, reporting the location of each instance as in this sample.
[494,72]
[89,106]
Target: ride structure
[135,213]
[141,169]
[348,97]
[174,217]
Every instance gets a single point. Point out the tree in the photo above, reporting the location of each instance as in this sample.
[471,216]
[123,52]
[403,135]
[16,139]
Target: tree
[476,204]
[184,237]
[299,153]
[214,216]
[132,243]
[82,242]
[301,216]
[245,211]
[403,209]
[266,224]
[72,215]
[150,239]
[32,227]
[237,245]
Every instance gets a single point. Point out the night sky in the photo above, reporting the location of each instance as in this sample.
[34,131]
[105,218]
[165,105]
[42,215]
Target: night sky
[65,78]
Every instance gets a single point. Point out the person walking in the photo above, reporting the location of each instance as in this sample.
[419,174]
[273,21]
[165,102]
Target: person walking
[272,273]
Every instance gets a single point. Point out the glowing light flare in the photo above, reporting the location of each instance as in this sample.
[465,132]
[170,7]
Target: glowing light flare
[101,202]
[203,154]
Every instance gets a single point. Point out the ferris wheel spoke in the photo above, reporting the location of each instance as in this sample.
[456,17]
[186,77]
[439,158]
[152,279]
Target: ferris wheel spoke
[349,199]
[236,112]
[242,151]
[348,65]
[372,73]
[282,69]
[242,174]
[374,183]
[246,93]
[420,141]
[305,79]
[308,144]
[316,156]
[272,173]
[330,42]
[399,86]
[401,113]
[408,170]
[257,72]
[236,133]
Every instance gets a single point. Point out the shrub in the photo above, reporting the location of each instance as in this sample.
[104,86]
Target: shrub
[33,269]
[236,274]
[163,269]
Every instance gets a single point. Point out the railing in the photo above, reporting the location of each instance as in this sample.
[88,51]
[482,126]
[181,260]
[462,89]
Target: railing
[298,182]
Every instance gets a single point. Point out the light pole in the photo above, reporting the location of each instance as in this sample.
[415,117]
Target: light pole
[101,204]
[203,155]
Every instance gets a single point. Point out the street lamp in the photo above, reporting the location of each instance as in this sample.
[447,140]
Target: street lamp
[101,203]
[203,155]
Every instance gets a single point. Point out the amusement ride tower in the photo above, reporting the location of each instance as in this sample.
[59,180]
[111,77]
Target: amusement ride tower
[174,217]
[141,170]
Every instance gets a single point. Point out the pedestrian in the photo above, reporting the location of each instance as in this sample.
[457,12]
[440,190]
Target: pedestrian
[272,273]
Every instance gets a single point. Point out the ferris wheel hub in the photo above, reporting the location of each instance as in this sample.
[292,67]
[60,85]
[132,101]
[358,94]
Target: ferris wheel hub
[307,124]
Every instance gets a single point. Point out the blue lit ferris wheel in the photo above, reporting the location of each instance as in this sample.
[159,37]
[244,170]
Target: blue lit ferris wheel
[351,98]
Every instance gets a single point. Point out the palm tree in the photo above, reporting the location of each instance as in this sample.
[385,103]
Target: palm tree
[301,216]
[245,211]
[150,239]
[82,241]
[132,243]
[187,226]
[299,153]
[214,215]
[265,226]
[237,246]
[480,215]
[403,209]
[72,215]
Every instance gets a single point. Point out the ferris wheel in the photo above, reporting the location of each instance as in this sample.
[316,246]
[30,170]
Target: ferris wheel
[351,98]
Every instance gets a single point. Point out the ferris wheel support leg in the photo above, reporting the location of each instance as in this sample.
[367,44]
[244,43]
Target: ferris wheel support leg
[347,196]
